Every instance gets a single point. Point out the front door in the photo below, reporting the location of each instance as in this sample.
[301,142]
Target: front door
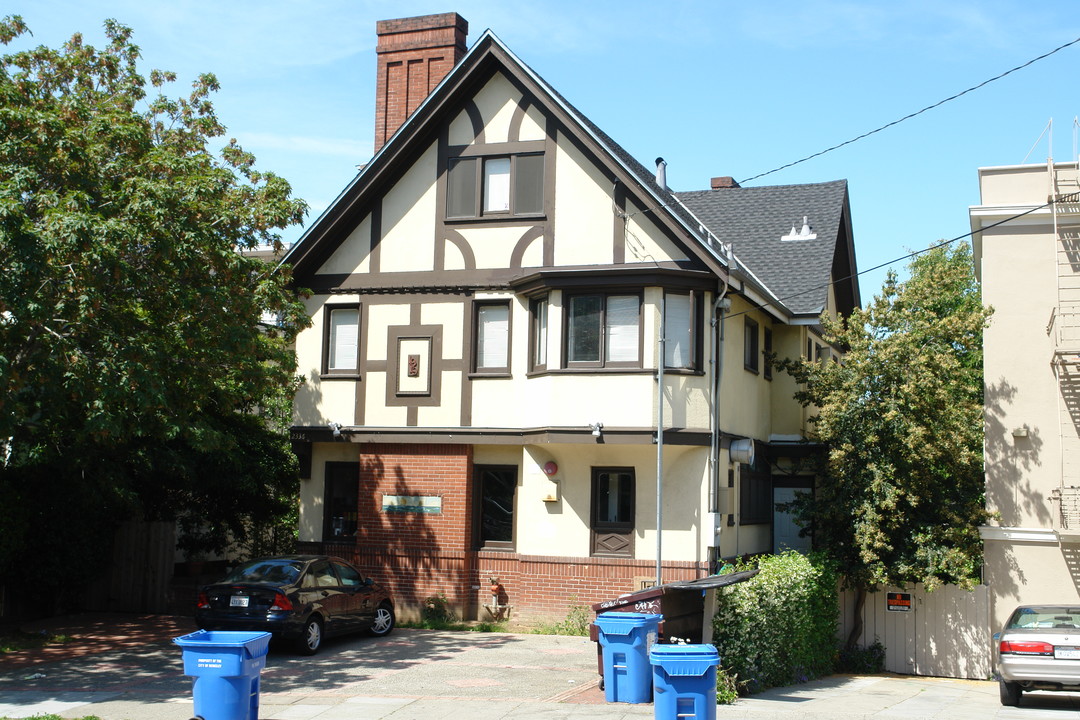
[613,512]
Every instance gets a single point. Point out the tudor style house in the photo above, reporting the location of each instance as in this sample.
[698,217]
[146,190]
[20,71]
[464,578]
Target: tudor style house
[1026,242]
[535,376]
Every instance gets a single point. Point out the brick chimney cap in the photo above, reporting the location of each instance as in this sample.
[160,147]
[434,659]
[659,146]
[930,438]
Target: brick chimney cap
[724,182]
[422,22]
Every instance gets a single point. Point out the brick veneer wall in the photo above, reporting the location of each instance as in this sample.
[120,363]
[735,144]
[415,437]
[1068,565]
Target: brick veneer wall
[418,555]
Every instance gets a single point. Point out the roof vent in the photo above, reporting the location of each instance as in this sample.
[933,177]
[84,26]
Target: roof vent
[806,233]
[661,173]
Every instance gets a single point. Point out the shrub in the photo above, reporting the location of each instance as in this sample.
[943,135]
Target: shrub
[778,628]
[867,660]
[437,610]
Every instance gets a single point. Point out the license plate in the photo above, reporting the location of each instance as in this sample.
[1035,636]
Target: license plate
[1067,652]
[238,601]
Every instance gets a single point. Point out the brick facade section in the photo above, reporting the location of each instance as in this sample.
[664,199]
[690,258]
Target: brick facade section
[417,555]
[413,56]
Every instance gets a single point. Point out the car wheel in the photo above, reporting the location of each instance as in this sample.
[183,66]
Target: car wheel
[384,620]
[311,639]
[1010,693]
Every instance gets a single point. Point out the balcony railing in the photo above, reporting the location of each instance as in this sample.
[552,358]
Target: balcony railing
[1069,502]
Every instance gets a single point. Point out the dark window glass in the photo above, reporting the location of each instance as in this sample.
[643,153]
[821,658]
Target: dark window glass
[585,313]
[496,485]
[348,575]
[755,497]
[614,503]
[341,501]
[461,188]
[529,184]
[768,351]
[750,345]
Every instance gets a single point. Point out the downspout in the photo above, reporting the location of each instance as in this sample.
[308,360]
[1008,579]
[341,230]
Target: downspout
[660,441]
[720,307]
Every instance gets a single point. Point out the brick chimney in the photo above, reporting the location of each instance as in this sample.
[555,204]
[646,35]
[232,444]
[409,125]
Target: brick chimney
[724,182]
[414,55]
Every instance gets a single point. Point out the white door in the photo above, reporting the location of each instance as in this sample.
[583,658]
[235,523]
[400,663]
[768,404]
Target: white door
[785,528]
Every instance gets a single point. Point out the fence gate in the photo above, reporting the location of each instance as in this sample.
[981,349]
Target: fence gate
[945,633]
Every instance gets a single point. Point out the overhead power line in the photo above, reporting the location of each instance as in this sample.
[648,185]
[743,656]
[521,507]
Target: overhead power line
[908,117]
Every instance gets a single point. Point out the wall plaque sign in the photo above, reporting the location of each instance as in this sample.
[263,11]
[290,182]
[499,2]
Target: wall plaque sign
[412,503]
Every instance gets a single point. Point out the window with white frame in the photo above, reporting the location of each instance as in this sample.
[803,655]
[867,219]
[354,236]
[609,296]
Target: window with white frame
[492,337]
[342,340]
[539,339]
[680,325]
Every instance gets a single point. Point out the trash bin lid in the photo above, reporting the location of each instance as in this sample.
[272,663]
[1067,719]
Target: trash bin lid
[620,623]
[684,660]
[256,643]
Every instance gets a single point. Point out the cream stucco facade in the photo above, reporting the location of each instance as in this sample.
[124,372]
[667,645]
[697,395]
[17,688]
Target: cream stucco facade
[493,302]
[1027,225]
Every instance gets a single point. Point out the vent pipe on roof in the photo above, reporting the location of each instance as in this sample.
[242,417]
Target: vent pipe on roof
[661,173]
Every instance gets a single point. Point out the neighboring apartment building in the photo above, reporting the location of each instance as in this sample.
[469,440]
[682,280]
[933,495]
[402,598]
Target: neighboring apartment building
[1029,267]
[481,374]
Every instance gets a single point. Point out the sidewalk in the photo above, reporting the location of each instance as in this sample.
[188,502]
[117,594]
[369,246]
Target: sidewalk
[127,668]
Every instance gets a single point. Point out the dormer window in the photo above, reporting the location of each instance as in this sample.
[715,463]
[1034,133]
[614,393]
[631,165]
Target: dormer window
[495,186]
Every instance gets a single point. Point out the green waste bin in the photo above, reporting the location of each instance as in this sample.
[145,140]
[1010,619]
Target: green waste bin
[226,666]
[684,680]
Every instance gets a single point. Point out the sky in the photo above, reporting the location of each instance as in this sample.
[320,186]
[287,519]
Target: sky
[715,88]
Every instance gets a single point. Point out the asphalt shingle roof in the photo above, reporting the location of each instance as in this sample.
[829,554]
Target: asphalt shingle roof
[753,219]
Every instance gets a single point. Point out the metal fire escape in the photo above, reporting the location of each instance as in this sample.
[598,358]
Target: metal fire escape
[1064,331]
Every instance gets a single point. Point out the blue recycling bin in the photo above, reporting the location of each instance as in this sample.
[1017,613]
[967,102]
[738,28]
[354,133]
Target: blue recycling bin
[625,639]
[226,666]
[684,678]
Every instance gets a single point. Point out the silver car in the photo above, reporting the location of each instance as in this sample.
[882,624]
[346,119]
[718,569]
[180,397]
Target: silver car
[1038,649]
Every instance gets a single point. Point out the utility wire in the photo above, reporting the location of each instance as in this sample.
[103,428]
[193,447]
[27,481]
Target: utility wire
[908,117]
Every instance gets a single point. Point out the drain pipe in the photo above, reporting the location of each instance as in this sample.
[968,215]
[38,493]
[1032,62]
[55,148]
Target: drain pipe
[720,307]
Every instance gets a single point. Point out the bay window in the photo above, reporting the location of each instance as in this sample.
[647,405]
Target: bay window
[603,330]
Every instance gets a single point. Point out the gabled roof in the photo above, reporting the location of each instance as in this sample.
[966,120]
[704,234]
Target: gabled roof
[791,276]
[754,219]
[329,229]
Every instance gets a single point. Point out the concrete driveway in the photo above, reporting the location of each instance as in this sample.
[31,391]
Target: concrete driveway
[126,668]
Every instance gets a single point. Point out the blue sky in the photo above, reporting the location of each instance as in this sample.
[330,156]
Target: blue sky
[716,88]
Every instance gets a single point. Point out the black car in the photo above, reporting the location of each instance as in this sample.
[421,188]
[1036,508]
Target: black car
[302,598]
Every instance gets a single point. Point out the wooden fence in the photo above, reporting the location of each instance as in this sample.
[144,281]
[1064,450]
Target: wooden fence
[945,633]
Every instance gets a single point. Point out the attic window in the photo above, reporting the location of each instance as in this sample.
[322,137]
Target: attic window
[806,233]
[495,186]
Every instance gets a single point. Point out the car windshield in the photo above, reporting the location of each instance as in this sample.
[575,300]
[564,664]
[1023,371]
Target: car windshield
[274,572]
[1045,617]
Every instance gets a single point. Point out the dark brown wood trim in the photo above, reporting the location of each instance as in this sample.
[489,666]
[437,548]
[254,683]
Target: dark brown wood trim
[476,119]
[500,148]
[458,240]
[618,239]
[518,118]
[375,258]
[523,244]
[466,435]
[432,333]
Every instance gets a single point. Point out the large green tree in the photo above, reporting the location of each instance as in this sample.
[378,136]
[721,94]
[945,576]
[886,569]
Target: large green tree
[900,497]
[133,351]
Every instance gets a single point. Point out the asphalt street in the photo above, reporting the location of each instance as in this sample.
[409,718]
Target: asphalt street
[127,668]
